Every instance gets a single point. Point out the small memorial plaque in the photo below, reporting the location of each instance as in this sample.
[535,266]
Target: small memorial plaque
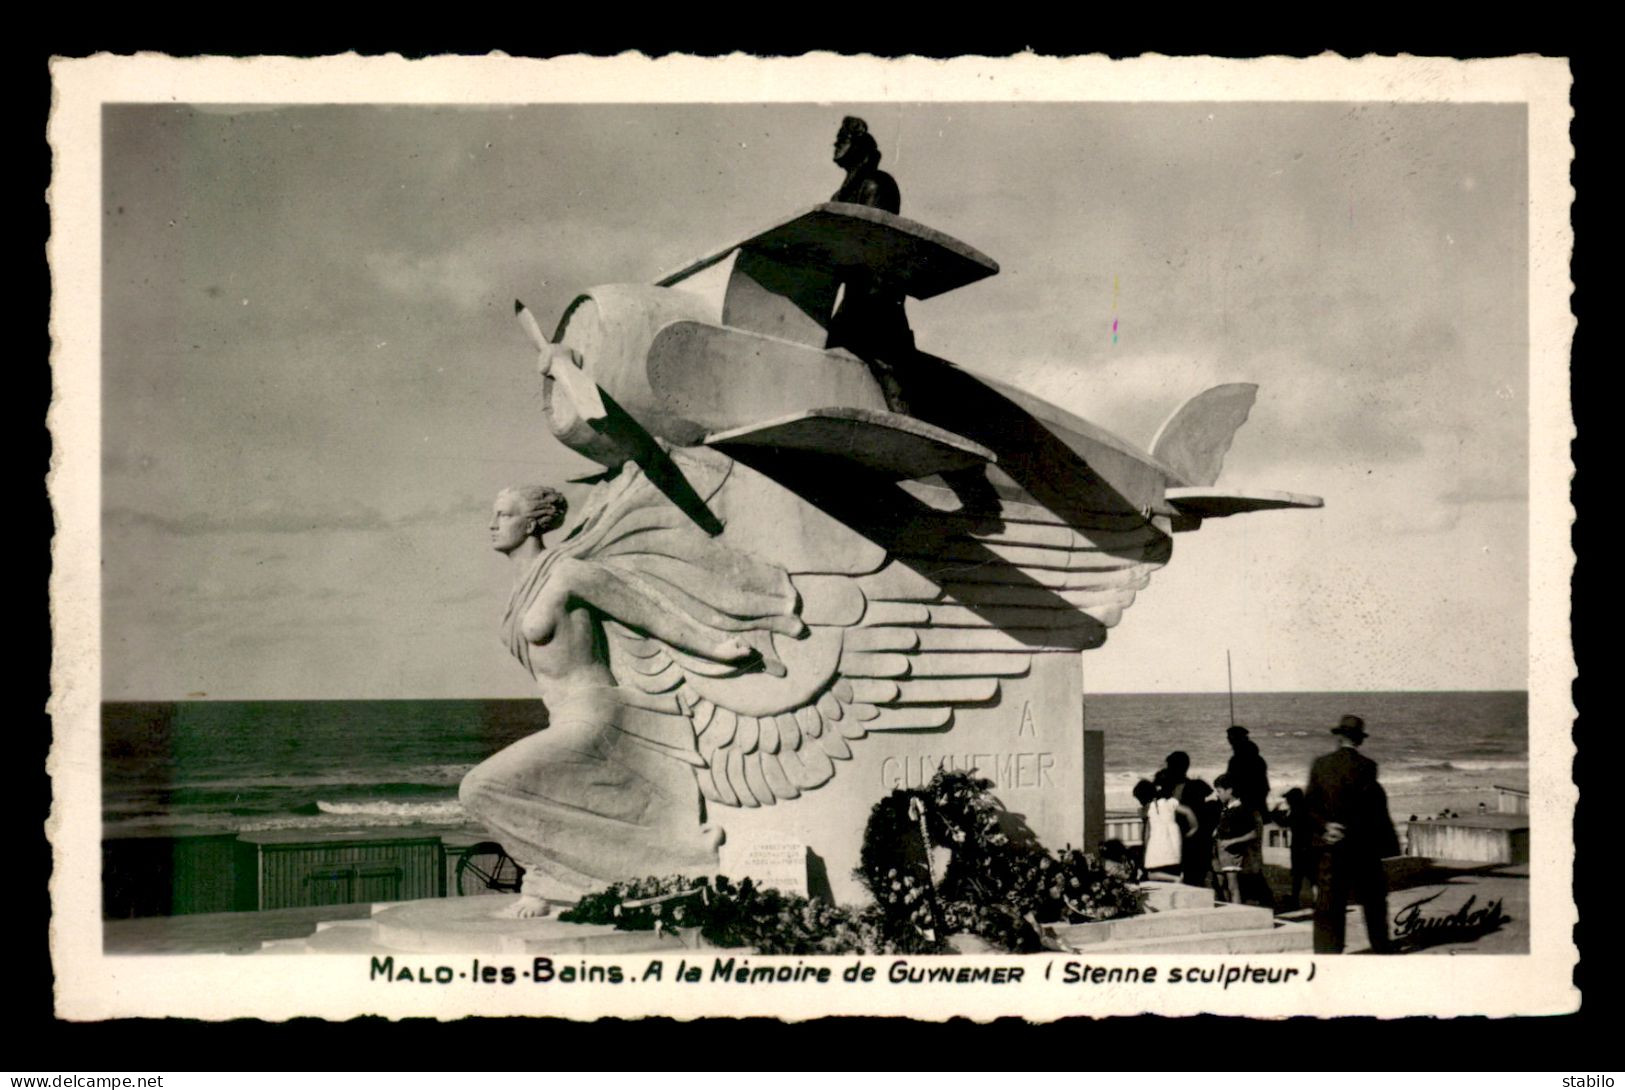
[771,864]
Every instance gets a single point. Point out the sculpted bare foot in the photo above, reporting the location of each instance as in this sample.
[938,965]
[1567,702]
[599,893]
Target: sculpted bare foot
[528,908]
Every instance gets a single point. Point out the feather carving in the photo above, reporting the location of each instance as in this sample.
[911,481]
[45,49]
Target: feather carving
[937,627]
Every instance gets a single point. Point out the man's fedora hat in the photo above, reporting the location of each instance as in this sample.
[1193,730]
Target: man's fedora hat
[1351,726]
[1236,730]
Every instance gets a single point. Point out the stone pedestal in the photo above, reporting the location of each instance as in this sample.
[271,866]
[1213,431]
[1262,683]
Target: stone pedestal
[1030,741]
[1185,919]
[474,925]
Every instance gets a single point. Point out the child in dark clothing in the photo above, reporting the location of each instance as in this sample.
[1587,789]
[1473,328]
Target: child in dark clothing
[1238,849]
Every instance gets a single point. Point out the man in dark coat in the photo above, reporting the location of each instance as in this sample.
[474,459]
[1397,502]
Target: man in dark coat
[1248,771]
[1198,848]
[871,321]
[1348,813]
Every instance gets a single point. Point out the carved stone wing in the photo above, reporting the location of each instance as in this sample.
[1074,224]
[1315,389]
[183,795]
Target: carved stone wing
[957,604]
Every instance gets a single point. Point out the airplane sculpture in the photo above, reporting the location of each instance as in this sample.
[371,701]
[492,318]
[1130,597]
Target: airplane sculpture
[784,562]
[730,352]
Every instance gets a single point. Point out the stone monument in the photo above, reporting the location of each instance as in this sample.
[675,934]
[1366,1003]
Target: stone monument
[786,598]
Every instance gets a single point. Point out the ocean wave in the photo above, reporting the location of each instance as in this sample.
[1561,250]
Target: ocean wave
[1417,775]
[450,816]
[1488,765]
[1284,775]
[428,775]
[429,813]
[1457,764]
[313,817]
[1429,775]
[445,773]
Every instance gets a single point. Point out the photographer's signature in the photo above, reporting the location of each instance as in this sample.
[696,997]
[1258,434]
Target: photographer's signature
[1463,925]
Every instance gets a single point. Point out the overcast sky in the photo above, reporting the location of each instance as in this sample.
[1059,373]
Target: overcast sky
[314,386]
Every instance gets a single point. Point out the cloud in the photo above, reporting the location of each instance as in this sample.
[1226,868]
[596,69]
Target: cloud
[257,517]
[215,590]
[233,109]
[458,597]
[458,277]
[1408,520]
[265,516]
[1486,490]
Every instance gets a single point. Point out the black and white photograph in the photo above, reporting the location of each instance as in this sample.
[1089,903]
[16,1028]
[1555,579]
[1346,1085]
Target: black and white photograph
[1033,537]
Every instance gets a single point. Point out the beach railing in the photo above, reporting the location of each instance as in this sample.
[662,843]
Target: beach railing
[1477,838]
[298,870]
[1277,844]
[177,875]
[1126,826]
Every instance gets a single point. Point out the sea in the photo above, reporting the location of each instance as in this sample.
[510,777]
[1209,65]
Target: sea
[189,767]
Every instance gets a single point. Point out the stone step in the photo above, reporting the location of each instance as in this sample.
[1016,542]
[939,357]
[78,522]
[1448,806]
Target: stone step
[476,925]
[608,942]
[284,946]
[1285,938]
[345,925]
[1168,896]
[343,937]
[423,932]
[330,937]
[381,906]
[1171,924]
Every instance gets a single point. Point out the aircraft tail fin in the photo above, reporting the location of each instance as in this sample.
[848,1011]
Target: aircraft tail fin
[1195,439]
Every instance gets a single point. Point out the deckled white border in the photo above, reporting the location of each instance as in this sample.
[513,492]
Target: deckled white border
[90,986]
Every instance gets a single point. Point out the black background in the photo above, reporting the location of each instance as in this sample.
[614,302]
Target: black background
[39,1043]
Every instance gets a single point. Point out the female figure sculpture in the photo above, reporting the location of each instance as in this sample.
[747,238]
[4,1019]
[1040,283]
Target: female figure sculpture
[607,791]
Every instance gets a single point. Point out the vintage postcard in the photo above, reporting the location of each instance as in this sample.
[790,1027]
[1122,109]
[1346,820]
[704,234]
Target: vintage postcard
[702,537]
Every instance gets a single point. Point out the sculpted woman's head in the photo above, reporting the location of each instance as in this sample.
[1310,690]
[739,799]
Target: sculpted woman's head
[524,512]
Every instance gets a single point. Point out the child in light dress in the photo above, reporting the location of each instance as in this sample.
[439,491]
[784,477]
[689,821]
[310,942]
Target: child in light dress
[1168,822]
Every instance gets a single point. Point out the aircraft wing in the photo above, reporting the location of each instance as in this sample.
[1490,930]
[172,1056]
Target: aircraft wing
[1212,503]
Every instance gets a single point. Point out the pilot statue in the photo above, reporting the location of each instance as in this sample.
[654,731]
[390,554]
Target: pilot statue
[870,322]
[857,152]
